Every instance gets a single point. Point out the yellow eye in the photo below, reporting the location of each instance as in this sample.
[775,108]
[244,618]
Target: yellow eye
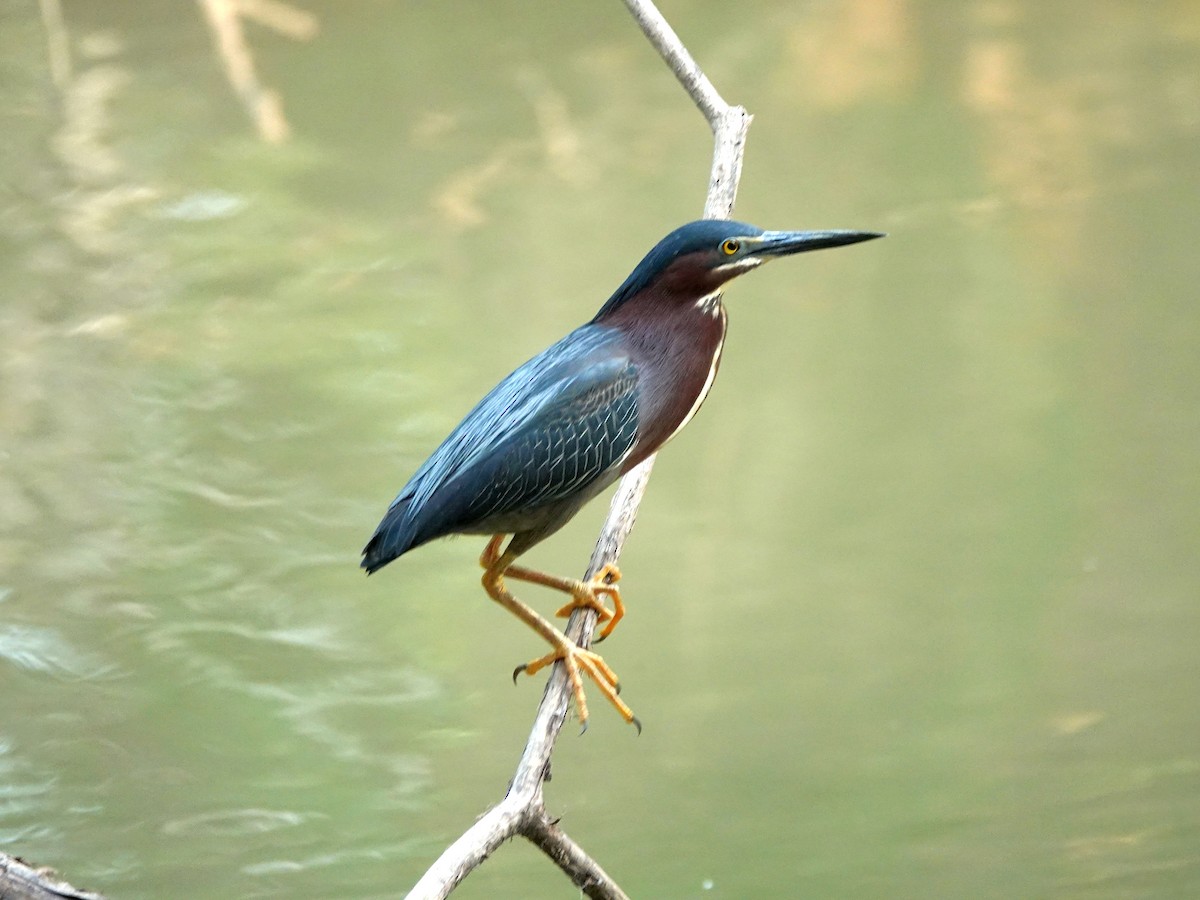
[730,247]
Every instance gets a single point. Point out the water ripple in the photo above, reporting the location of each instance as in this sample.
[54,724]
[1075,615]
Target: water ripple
[324,860]
[45,650]
[236,822]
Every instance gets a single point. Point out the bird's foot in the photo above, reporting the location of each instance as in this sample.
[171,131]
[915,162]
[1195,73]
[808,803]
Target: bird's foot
[587,594]
[580,662]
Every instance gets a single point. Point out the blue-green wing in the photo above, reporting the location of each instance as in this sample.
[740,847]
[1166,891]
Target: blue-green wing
[552,428]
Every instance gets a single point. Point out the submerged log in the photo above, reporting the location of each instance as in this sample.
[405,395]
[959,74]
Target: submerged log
[21,881]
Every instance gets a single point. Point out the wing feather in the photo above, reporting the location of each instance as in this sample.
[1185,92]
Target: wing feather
[553,427]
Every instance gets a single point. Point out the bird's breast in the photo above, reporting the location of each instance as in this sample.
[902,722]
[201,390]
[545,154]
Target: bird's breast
[709,374]
[677,354]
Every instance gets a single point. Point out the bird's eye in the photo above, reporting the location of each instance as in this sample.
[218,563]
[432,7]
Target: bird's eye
[730,247]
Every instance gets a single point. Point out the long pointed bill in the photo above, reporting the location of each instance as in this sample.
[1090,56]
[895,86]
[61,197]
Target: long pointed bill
[784,243]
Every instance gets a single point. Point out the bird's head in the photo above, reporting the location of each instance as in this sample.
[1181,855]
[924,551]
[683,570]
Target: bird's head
[694,260]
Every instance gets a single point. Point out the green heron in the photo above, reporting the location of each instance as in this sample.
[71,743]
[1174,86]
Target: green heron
[576,417]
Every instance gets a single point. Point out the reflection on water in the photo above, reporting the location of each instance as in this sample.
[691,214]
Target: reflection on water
[912,604]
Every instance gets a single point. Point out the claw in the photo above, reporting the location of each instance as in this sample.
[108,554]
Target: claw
[579,662]
[636,723]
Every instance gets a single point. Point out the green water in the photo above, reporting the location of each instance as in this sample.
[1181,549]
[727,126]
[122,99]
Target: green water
[914,603]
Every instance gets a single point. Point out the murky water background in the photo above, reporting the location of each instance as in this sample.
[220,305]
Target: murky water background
[914,602]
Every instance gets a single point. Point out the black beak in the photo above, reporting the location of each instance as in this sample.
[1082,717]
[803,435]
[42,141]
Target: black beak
[785,243]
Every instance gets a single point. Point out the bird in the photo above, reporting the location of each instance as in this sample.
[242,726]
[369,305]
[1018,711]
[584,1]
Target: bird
[572,420]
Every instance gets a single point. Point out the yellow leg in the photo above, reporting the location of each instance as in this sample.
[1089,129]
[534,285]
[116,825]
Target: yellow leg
[584,594]
[576,659]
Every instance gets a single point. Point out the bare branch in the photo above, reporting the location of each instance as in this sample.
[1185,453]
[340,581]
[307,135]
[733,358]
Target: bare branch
[580,868]
[728,123]
[729,146]
[477,843]
[667,43]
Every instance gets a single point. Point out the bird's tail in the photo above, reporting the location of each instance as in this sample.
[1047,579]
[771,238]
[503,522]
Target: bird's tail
[391,539]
